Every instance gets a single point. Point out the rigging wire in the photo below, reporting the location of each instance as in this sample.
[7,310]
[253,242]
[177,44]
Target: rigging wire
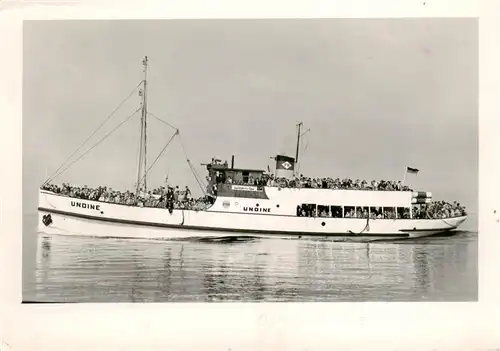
[197,177]
[53,176]
[159,155]
[169,125]
[302,153]
[96,144]
[193,170]
[305,147]
[162,121]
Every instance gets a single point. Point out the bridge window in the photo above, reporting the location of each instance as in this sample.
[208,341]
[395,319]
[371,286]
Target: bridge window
[333,211]
[349,212]
[389,213]
[403,213]
[308,210]
[245,177]
[364,211]
[336,211]
[324,211]
[313,210]
[218,177]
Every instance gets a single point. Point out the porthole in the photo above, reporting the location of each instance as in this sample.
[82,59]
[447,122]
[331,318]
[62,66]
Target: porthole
[257,205]
[278,205]
[323,224]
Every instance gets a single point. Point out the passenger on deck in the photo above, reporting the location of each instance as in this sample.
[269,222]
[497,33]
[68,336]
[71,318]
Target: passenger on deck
[176,193]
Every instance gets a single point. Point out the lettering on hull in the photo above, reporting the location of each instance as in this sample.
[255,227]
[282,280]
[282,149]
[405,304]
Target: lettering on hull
[256,209]
[85,205]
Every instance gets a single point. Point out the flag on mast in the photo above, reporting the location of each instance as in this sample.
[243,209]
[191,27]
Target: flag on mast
[284,166]
[412,170]
[285,162]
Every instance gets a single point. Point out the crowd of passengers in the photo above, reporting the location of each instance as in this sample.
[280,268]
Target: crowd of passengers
[162,197]
[439,209]
[434,210]
[174,198]
[322,183]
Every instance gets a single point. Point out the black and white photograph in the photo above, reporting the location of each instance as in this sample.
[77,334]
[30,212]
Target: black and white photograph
[250,160]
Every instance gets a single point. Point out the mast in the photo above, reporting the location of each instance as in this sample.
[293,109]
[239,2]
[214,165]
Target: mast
[145,114]
[141,172]
[298,143]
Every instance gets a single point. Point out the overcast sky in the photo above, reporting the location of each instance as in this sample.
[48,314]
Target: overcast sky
[377,95]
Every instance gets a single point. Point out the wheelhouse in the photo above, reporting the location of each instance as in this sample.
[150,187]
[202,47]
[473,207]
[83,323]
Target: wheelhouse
[220,174]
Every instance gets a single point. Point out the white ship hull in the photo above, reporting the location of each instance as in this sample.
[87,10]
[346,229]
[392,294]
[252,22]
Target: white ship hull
[69,216]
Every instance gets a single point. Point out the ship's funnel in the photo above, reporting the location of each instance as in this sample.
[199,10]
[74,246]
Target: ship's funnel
[285,166]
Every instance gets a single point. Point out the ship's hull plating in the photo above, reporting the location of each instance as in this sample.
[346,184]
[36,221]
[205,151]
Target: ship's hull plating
[67,216]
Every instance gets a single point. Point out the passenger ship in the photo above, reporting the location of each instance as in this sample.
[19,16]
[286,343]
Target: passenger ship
[240,208]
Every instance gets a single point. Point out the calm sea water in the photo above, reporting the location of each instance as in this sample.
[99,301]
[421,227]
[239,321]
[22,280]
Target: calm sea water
[80,269]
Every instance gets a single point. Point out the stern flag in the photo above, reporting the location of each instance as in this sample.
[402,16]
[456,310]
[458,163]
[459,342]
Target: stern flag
[411,170]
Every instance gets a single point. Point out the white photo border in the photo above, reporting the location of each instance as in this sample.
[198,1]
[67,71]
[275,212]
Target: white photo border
[248,326]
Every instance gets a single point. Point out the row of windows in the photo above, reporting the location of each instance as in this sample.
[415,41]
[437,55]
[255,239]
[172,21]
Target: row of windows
[313,210]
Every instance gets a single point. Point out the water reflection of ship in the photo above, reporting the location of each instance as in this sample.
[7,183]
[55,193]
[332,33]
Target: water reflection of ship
[43,259]
[72,266]
[223,281]
[362,268]
[453,260]
[253,270]
[424,270]
[250,271]
[165,281]
[423,274]
[167,271]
